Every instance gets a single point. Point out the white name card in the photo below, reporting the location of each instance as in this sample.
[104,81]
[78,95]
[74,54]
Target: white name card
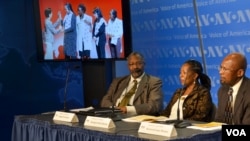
[99,122]
[157,129]
[64,116]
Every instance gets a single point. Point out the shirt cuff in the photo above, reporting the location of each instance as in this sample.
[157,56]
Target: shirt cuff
[131,110]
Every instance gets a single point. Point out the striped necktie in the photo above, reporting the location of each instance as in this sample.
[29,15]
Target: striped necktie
[229,108]
[128,95]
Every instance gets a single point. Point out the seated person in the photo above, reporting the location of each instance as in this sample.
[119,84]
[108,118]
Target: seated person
[145,98]
[232,75]
[194,99]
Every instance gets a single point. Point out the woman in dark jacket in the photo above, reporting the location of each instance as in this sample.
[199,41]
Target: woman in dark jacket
[69,24]
[99,33]
[195,99]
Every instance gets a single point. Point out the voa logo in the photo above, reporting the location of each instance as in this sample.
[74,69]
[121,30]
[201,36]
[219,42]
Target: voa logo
[236,132]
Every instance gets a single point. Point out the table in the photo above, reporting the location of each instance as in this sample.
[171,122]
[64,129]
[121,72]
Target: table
[41,127]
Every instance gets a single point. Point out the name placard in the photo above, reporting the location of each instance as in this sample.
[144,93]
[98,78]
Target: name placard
[99,122]
[64,116]
[157,129]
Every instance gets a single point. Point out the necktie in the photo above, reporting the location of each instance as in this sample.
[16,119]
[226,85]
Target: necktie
[128,95]
[229,108]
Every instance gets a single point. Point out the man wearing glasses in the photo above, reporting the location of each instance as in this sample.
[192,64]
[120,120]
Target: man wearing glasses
[234,93]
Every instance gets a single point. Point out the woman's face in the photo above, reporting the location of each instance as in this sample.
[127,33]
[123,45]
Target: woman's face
[187,76]
[66,9]
[51,14]
[111,15]
[95,15]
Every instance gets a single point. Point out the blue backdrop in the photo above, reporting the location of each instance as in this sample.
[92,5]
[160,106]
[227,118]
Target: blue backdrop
[171,32]
[165,31]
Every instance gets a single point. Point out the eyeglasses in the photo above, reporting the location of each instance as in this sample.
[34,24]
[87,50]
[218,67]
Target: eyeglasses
[224,69]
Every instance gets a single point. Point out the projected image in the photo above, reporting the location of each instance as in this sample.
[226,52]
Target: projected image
[81,29]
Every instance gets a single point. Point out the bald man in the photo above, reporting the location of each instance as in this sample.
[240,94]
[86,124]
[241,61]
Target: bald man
[232,75]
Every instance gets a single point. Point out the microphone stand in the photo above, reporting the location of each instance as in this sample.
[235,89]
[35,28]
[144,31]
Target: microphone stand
[178,107]
[65,88]
[113,115]
[180,123]
[112,112]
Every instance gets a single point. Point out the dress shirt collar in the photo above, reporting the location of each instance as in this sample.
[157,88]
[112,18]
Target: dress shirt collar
[237,86]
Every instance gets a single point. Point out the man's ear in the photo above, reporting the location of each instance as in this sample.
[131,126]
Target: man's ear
[240,72]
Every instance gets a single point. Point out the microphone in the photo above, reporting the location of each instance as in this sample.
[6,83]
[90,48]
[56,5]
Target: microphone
[113,111]
[65,88]
[116,88]
[178,107]
[66,85]
[180,123]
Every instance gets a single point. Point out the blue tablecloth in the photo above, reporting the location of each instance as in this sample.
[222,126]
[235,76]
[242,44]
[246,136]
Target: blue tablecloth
[43,128]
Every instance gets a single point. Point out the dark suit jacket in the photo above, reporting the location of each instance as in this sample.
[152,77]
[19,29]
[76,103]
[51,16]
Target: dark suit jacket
[241,106]
[148,97]
[197,105]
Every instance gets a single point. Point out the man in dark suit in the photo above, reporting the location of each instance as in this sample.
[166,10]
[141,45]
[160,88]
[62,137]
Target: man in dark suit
[148,96]
[232,75]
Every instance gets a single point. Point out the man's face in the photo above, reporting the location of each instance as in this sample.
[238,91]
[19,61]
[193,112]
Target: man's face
[111,15]
[228,72]
[80,11]
[135,66]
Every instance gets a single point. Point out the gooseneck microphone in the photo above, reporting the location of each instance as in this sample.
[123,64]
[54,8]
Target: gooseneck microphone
[65,88]
[178,123]
[66,85]
[113,115]
[181,123]
[178,105]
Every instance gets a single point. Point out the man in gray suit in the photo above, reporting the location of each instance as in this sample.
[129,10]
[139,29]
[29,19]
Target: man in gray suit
[232,75]
[148,96]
